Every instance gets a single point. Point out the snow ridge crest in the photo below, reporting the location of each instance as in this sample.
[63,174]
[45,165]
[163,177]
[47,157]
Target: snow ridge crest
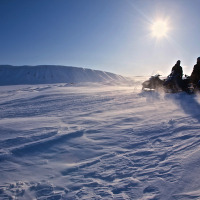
[46,74]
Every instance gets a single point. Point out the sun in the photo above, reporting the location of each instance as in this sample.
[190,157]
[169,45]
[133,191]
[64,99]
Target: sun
[159,28]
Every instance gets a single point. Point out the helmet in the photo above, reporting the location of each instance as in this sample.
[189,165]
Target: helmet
[178,62]
[198,59]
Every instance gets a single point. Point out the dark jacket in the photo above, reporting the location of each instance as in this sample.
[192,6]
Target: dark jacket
[195,76]
[177,70]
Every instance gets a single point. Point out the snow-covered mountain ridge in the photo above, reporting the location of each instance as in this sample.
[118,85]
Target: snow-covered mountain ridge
[45,74]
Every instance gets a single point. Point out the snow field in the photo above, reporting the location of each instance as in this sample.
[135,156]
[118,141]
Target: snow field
[95,141]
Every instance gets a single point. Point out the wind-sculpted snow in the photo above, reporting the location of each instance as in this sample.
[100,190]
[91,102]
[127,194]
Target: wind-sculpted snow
[45,74]
[96,141]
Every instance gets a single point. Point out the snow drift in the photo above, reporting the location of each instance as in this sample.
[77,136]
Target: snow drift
[45,74]
[96,141]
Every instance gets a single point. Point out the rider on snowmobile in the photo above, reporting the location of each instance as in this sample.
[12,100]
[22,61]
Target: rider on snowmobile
[195,76]
[174,80]
[177,70]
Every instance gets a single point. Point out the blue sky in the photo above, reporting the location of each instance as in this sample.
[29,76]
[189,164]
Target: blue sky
[109,35]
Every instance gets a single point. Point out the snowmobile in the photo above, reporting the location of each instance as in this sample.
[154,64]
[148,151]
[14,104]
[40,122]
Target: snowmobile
[154,83]
[172,84]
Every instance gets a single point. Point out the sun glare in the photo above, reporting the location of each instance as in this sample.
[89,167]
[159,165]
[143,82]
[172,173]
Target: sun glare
[159,29]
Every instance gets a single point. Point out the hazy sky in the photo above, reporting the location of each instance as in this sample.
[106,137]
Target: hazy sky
[109,35]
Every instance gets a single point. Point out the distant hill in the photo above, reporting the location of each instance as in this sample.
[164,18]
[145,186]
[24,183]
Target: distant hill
[46,74]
